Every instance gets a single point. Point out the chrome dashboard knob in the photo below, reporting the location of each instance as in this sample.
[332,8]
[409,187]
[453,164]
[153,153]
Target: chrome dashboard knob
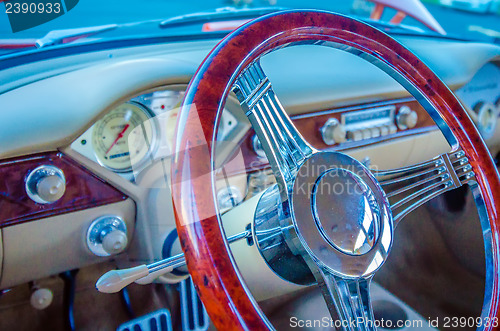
[114,242]
[406,118]
[45,184]
[228,197]
[107,235]
[333,132]
[257,147]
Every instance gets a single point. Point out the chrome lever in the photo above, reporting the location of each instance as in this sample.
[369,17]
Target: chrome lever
[114,280]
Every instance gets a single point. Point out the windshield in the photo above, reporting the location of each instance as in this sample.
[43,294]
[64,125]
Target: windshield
[469,19]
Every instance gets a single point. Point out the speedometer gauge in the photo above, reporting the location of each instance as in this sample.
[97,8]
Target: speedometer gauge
[124,138]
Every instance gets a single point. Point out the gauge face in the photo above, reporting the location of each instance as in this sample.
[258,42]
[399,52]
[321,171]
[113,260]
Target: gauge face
[124,138]
[487,119]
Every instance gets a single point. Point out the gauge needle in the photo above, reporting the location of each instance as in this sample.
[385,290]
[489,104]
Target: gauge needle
[120,136]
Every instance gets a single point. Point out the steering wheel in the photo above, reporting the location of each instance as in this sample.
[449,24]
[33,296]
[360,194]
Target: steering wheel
[341,238]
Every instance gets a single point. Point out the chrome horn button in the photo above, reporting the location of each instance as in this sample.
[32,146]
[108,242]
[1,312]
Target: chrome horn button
[345,211]
[341,215]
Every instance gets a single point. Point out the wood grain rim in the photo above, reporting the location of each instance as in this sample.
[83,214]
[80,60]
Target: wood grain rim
[226,298]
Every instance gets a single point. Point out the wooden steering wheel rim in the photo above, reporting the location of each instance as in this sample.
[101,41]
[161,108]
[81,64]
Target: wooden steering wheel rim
[212,269]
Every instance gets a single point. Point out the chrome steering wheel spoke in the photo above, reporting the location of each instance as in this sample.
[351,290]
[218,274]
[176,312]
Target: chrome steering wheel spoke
[284,146]
[348,300]
[409,187]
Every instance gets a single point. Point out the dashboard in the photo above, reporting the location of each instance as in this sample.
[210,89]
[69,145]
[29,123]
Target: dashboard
[114,147]
[139,132]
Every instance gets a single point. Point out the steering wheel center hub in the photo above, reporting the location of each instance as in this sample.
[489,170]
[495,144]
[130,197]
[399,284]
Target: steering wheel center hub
[341,215]
[345,211]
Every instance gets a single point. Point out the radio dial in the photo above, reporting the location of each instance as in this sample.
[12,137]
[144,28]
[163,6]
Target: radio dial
[407,118]
[333,132]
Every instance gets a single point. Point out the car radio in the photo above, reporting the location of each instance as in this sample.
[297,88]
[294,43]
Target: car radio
[371,123]
[368,123]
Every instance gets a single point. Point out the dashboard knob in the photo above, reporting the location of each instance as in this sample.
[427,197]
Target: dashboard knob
[257,147]
[407,118]
[45,184]
[51,188]
[114,242]
[41,298]
[228,197]
[333,132]
[107,235]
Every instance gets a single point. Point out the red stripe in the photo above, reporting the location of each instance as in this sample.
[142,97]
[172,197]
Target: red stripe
[16,43]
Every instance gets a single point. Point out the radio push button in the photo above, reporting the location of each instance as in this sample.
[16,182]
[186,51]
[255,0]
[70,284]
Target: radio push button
[392,129]
[355,135]
[375,132]
[367,133]
[384,130]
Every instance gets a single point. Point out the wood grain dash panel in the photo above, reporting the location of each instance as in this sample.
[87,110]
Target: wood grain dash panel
[310,127]
[83,189]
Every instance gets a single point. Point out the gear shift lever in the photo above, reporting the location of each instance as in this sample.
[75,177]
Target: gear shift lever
[114,280]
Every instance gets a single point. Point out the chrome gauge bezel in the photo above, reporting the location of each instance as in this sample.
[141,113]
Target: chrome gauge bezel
[152,148]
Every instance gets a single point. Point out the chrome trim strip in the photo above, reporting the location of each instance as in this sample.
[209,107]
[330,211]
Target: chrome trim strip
[354,108]
[432,178]
[283,144]
[489,252]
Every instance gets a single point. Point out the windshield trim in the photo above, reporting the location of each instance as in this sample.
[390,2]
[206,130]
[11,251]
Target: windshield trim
[34,55]
[24,57]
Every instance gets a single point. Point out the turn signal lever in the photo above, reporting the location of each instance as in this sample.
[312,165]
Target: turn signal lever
[114,280]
